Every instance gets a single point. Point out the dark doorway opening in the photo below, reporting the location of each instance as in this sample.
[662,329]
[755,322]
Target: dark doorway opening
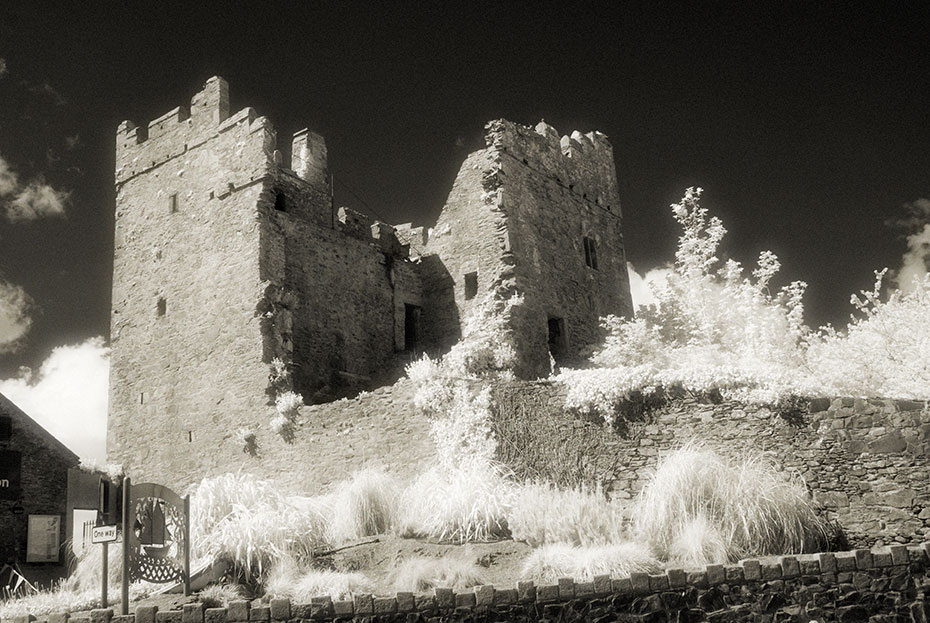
[411,326]
[558,340]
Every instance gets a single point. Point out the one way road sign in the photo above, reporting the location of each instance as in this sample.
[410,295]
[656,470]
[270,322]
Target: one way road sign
[103,534]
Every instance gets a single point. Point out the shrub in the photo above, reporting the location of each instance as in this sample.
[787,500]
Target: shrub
[698,543]
[363,506]
[756,510]
[551,562]
[420,574]
[219,595]
[468,502]
[542,513]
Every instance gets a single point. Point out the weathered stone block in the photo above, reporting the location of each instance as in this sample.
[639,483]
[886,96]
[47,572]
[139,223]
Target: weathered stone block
[526,591]
[771,571]
[640,582]
[602,585]
[827,562]
[465,600]
[364,604]
[215,615]
[484,596]
[425,603]
[405,602]
[863,559]
[505,596]
[384,605]
[621,586]
[260,613]
[193,613]
[734,573]
[752,569]
[169,616]
[124,618]
[715,574]
[343,608]
[321,607]
[146,614]
[584,589]
[547,593]
[898,554]
[101,615]
[790,567]
[810,567]
[566,588]
[677,578]
[845,561]
[59,617]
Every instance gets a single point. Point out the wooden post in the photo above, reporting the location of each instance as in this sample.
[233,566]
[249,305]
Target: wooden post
[105,567]
[187,545]
[127,498]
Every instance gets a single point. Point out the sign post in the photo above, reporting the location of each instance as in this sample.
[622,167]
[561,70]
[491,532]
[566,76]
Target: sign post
[124,585]
[104,535]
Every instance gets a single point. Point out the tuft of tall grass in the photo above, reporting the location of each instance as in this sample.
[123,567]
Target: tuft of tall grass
[363,506]
[420,574]
[219,595]
[288,579]
[551,562]
[467,502]
[248,522]
[698,543]
[542,513]
[755,509]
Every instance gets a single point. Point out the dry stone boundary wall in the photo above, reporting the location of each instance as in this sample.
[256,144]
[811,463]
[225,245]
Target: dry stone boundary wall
[866,462]
[881,585]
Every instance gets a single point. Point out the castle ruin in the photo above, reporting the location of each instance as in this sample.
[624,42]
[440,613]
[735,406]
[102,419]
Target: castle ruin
[227,257]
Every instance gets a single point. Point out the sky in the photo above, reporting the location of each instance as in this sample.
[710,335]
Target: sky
[805,123]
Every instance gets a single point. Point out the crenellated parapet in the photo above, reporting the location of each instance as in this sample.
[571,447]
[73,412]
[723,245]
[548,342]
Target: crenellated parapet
[141,148]
[583,163]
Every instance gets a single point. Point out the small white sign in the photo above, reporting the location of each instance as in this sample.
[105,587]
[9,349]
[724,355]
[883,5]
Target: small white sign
[103,534]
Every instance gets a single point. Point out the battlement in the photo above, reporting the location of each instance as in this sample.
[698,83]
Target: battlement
[140,148]
[584,163]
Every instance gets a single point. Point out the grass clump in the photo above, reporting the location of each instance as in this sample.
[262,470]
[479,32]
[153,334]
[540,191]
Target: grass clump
[551,562]
[744,505]
[542,513]
[468,502]
[364,506]
[289,579]
[219,595]
[421,574]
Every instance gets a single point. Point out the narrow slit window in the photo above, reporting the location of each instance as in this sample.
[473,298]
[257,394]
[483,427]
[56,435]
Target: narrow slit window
[173,203]
[161,308]
[590,252]
[280,203]
[471,285]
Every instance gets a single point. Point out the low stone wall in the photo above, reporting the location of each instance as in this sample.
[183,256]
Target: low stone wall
[882,585]
[866,462]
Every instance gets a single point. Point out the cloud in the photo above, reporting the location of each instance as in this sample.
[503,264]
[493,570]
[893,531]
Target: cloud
[68,396]
[35,200]
[640,284]
[9,181]
[915,263]
[15,320]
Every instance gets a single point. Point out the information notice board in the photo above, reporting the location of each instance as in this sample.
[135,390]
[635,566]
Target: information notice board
[43,539]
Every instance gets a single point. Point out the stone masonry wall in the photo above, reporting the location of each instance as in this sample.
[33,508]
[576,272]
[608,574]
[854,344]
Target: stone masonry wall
[883,585]
[186,365]
[866,462]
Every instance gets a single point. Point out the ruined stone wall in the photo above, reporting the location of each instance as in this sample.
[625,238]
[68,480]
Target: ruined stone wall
[43,491]
[867,463]
[517,216]
[555,194]
[186,365]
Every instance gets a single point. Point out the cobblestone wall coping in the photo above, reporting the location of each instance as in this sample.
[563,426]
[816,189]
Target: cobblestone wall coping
[829,569]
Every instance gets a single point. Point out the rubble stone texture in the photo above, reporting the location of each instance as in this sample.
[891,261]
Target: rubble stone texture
[226,258]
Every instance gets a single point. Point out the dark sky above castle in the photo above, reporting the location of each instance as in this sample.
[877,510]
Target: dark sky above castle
[806,123]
